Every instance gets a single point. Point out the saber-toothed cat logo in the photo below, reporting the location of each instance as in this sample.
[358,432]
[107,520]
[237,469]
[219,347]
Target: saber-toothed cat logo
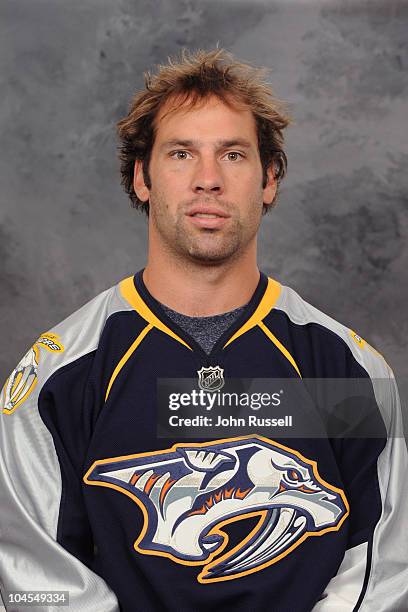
[23,378]
[187,493]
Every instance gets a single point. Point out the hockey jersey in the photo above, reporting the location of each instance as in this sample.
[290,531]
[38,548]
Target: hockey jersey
[95,503]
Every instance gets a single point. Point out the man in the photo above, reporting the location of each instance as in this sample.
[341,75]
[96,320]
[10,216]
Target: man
[94,502]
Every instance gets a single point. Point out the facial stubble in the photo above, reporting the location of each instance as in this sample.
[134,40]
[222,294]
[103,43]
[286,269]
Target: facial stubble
[204,246]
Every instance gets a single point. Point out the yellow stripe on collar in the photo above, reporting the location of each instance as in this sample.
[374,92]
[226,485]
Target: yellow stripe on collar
[130,294]
[280,346]
[266,304]
[126,357]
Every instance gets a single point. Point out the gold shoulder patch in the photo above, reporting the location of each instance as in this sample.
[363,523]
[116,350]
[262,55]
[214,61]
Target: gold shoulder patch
[364,344]
[357,339]
[23,378]
[50,342]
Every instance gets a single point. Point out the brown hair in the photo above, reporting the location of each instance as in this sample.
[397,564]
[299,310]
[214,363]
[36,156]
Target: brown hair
[192,78]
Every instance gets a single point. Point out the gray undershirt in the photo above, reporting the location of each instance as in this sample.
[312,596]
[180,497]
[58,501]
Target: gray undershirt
[205,330]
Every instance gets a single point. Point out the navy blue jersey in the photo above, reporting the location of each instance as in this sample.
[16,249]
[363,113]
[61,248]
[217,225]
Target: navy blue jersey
[95,503]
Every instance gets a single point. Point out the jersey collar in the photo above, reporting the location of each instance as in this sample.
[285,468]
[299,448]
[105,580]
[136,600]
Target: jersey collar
[265,296]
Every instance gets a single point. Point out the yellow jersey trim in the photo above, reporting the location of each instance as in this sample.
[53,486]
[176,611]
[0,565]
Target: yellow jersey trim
[266,304]
[126,357]
[280,346]
[129,293]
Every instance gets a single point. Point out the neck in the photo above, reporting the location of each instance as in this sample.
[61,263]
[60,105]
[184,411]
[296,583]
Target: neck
[200,290]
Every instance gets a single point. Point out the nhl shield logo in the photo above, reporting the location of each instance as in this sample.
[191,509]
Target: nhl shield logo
[211,378]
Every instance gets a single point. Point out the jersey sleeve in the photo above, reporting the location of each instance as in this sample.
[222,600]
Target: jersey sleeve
[45,538]
[374,572]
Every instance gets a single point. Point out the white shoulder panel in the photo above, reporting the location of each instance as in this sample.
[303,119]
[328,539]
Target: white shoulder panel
[301,312]
[30,476]
[80,332]
[387,588]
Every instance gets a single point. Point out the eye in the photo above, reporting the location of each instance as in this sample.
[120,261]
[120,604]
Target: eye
[293,477]
[180,155]
[234,155]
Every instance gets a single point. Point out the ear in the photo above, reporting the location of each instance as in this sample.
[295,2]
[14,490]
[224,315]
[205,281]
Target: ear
[269,191]
[139,185]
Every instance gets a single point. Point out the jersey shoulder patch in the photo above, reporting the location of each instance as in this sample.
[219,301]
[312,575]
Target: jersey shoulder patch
[24,377]
[74,337]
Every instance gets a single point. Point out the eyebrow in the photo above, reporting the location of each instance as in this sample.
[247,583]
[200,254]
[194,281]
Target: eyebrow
[220,144]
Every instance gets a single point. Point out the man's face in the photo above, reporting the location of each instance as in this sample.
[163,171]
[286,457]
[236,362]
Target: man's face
[206,195]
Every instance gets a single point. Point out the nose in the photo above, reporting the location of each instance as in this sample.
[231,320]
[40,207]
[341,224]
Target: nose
[208,177]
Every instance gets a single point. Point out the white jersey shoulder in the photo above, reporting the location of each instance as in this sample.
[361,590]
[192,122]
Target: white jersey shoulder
[74,337]
[301,312]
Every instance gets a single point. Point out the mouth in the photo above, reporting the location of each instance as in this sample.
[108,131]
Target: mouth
[207,217]
[280,528]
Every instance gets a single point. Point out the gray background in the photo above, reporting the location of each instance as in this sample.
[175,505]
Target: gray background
[339,233]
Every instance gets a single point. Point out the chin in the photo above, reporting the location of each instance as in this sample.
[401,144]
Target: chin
[209,249]
[211,257]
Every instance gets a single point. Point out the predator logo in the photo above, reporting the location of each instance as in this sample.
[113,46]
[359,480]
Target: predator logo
[189,492]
